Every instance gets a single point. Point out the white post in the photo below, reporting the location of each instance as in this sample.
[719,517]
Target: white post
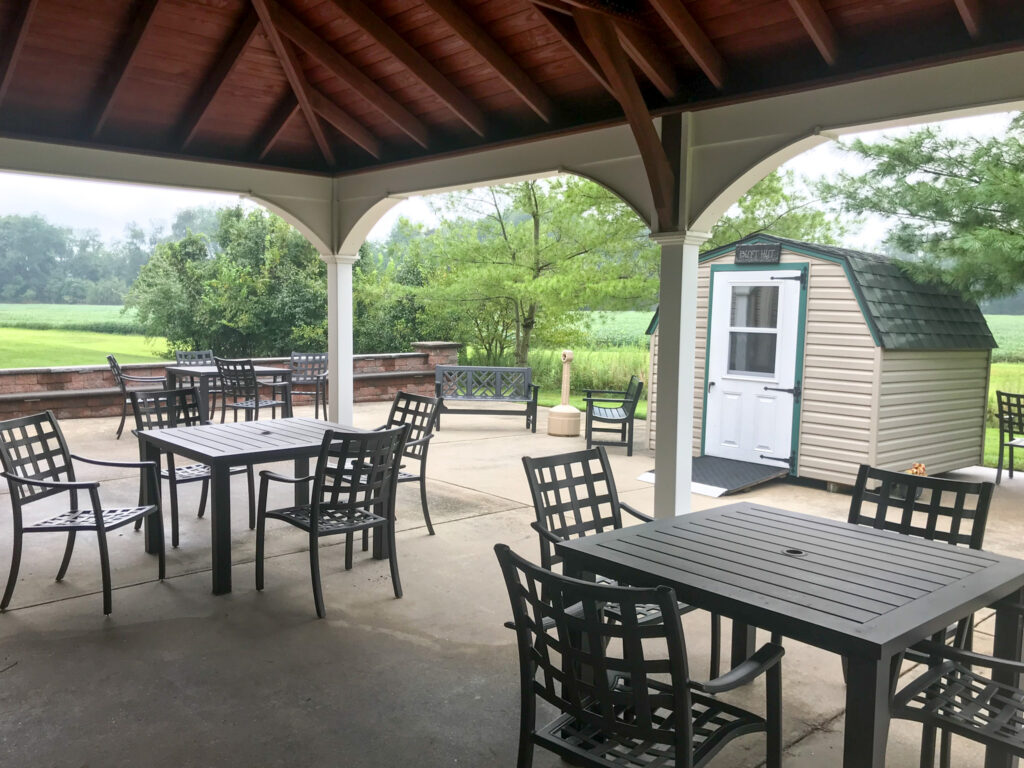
[339,335]
[677,341]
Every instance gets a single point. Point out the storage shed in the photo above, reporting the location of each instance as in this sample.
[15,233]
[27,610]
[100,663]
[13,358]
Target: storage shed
[816,359]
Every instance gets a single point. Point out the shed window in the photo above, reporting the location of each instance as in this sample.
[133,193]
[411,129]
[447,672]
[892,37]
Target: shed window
[753,329]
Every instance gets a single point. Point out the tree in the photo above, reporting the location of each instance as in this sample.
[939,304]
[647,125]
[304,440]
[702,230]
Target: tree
[515,263]
[956,205]
[776,206]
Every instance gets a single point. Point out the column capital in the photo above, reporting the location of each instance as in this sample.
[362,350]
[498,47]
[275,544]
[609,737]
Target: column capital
[680,238]
[340,258]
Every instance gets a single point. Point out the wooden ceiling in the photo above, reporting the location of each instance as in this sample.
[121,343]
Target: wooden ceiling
[339,85]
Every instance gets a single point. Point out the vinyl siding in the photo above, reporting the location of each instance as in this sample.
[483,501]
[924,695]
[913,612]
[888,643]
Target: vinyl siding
[931,408]
[652,392]
[838,376]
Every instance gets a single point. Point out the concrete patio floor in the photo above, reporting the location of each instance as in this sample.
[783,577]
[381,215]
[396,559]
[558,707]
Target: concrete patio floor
[178,677]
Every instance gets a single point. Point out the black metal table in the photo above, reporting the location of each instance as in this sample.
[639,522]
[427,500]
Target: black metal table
[208,374]
[856,591]
[222,446]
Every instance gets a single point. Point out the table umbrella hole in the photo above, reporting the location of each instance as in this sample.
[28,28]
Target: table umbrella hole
[794,552]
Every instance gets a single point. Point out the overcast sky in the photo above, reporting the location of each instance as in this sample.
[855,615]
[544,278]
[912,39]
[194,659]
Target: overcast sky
[108,207]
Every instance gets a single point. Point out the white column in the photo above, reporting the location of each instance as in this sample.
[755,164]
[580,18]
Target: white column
[339,335]
[677,339]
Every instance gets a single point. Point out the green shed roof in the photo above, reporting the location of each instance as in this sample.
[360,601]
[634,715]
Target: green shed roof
[901,312]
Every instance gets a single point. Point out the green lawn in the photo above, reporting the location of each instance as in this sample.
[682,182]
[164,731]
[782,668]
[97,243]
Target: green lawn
[76,317]
[30,348]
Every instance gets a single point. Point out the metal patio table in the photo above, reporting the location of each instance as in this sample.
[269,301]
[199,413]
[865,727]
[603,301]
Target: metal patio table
[222,446]
[207,374]
[857,591]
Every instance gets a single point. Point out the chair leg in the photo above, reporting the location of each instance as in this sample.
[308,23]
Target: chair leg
[159,523]
[202,497]
[773,685]
[716,645]
[261,530]
[124,415]
[252,496]
[12,577]
[366,539]
[527,718]
[348,550]
[1009,469]
[999,465]
[396,582]
[945,747]
[927,746]
[629,438]
[314,573]
[173,487]
[101,540]
[68,549]
[423,501]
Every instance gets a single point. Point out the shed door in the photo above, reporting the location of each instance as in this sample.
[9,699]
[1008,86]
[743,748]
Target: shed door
[752,351]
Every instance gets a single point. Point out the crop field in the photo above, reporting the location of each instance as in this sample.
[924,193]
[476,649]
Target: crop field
[71,317]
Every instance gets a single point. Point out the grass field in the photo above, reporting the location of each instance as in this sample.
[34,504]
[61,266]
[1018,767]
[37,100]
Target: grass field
[71,317]
[31,348]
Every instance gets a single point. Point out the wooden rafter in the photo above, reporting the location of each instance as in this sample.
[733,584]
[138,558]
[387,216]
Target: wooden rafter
[480,41]
[818,27]
[340,119]
[296,79]
[215,78]
[970,12]
[565,28]
[423,70]
[650,58]
[304,37]
[128,47]
[286,109]
[693,38]
[600,36]
[13,42]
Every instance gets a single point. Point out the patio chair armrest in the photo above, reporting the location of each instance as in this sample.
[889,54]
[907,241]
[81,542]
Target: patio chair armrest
[268,475]
[635,512]
[67,485]
[143,465]
[144,379]
[546,534]
[420,441]
[766,657]
[589,392]
[970,658]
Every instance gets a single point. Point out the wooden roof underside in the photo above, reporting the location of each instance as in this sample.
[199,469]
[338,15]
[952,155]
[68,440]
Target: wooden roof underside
[339,85]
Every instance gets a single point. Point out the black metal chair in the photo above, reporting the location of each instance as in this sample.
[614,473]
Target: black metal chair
[122,380]
[197,357]
[574,495]
[37,464]
[353,490]
[309,377]
[951,696]
[242,390]
[621,687]
[420,413]
[1011,428]
[612,406]
[180,408]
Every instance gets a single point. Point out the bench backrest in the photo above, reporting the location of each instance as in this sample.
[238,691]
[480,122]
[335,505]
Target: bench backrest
[633,391]
[474,382]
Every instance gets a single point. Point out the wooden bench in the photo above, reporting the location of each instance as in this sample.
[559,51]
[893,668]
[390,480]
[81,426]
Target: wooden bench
[480,383]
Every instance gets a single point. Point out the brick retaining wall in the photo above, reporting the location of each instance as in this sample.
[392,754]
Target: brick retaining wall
[89,391]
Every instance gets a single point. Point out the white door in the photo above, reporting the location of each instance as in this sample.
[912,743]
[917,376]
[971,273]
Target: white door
[752,350]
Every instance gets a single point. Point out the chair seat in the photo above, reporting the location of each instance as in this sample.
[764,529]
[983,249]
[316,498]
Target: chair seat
[83,519]
[252,404]
[405,477]
[646,613]
[1017,442]
[331,521]
[192,472]
[714,723]
[954,697]
[609,414]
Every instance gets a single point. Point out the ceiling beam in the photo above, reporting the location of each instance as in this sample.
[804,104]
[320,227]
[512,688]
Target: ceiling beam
[650,58]
[340,119]
[697,43]
[13,43]
[309,41]
[970,12]
[286,109]
[565,28]
[601,38]
[818,27]
[477,38]
[423,70]
[296,79]
[128,47]
[215,77]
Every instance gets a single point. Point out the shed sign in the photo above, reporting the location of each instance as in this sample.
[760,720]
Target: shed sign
[759,254]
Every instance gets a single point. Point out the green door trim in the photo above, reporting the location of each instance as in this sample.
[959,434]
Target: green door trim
[801,327]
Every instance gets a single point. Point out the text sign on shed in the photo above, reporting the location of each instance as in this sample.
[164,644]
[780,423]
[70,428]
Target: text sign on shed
[759,254]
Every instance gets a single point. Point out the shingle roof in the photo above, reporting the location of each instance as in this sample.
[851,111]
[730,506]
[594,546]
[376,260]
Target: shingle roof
[902,312]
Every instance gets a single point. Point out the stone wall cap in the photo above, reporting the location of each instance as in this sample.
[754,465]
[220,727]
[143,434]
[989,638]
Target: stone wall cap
[436,344]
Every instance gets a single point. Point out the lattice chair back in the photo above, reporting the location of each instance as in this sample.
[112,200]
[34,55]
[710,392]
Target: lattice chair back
[420,413]
[238,379]
[573,495]
[33,447]
[1011,414]
[356,475]
[308,367]
[932,508]
[194,357]
[596,670]
[166,408]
